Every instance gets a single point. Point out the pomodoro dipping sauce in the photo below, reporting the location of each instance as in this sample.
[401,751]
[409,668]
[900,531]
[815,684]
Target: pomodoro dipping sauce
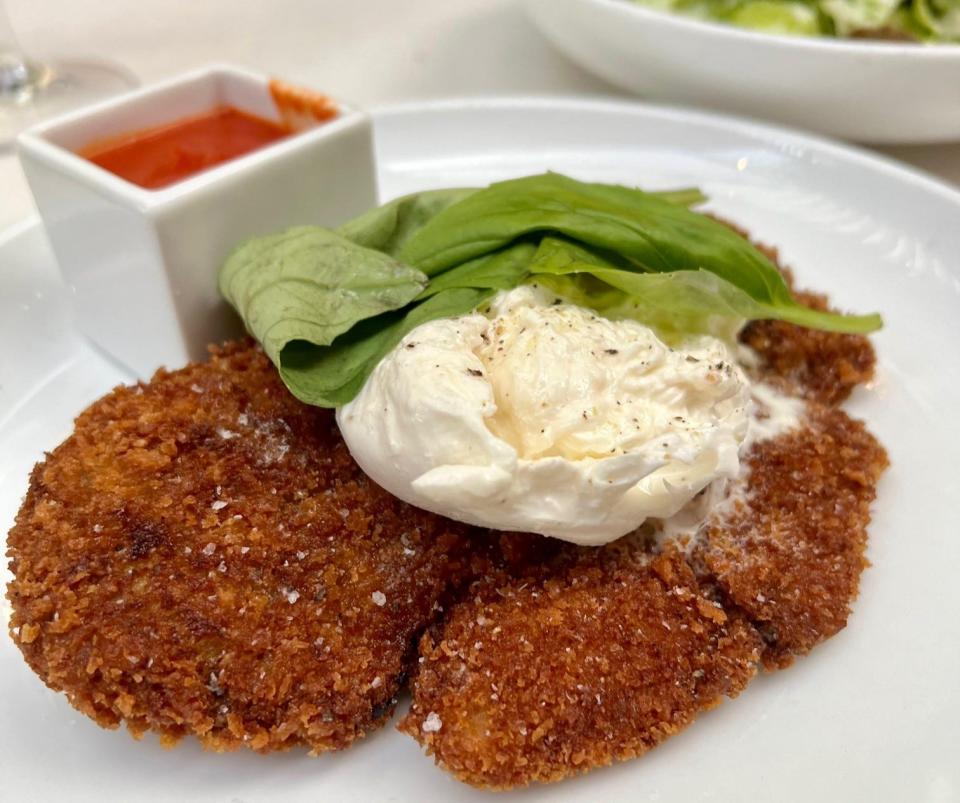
[160,156]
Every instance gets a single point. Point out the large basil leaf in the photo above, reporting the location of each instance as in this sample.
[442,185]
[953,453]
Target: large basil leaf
[310,284]
[327,306]
[678,301]
[656,235]
[387,228]
[501,270]
[332,376]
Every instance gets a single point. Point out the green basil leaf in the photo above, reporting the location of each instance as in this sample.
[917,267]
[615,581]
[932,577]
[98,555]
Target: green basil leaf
[655,234]
[387,228]
[685,196]
[331,376]
[556,255]
[677,301]
[311,284]
[501,270]
[327,306]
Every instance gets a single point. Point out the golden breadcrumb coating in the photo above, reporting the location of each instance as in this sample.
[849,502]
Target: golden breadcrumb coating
[791,555]
[823,366]
[203,556]
[593,665]
[537,678]
[817,365]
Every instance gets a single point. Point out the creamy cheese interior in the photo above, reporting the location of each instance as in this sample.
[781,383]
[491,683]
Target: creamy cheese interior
[540,416]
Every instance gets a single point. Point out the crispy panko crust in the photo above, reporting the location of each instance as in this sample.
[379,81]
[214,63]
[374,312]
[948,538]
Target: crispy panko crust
[790,556]
[597,660]
[608,652]
[817,365]
[203,556]
[822,366]
[535,678]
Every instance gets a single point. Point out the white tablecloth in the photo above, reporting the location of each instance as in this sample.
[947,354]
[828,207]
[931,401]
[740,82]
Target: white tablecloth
[367,51]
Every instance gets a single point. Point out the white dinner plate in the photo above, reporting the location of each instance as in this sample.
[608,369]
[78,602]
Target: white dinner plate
[870,715]
[881,92]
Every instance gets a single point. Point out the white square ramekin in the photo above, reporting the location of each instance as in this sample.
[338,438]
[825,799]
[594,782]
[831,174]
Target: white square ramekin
[142,264]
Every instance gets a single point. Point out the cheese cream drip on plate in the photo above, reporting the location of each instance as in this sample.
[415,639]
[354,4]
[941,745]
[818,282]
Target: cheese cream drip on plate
[537,415]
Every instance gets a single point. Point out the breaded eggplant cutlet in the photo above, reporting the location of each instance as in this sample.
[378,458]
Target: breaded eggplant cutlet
[202,556]
[538,676]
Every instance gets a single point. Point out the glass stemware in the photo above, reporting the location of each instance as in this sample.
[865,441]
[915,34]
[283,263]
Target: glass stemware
[33,90]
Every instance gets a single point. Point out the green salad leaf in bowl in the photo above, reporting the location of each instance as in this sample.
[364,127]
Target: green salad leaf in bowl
[906,20]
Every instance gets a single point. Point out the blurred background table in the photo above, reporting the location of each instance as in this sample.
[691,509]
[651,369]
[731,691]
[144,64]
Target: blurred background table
[371,52]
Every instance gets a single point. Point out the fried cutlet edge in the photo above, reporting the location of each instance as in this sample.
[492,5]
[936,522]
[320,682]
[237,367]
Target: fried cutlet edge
[155,584]
[821,367]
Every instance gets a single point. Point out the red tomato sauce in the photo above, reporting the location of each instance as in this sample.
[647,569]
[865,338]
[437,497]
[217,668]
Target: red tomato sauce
[158,157]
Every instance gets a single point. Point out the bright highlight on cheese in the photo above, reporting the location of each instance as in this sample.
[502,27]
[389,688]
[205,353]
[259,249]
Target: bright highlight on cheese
[544,417]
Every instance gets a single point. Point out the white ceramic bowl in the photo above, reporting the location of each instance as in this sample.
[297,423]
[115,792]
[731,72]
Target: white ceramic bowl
[879,92]
[142,264]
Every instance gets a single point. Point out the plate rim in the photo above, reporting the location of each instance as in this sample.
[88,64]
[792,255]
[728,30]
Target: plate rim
[762,130]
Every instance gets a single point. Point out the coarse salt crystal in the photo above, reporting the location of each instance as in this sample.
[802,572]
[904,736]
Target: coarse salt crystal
[291,594]
[376,683]
[218,505]
[98,528]
[379,598]
[210,548]
[244,550]
[432,723]
[227,434]
[222,567]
